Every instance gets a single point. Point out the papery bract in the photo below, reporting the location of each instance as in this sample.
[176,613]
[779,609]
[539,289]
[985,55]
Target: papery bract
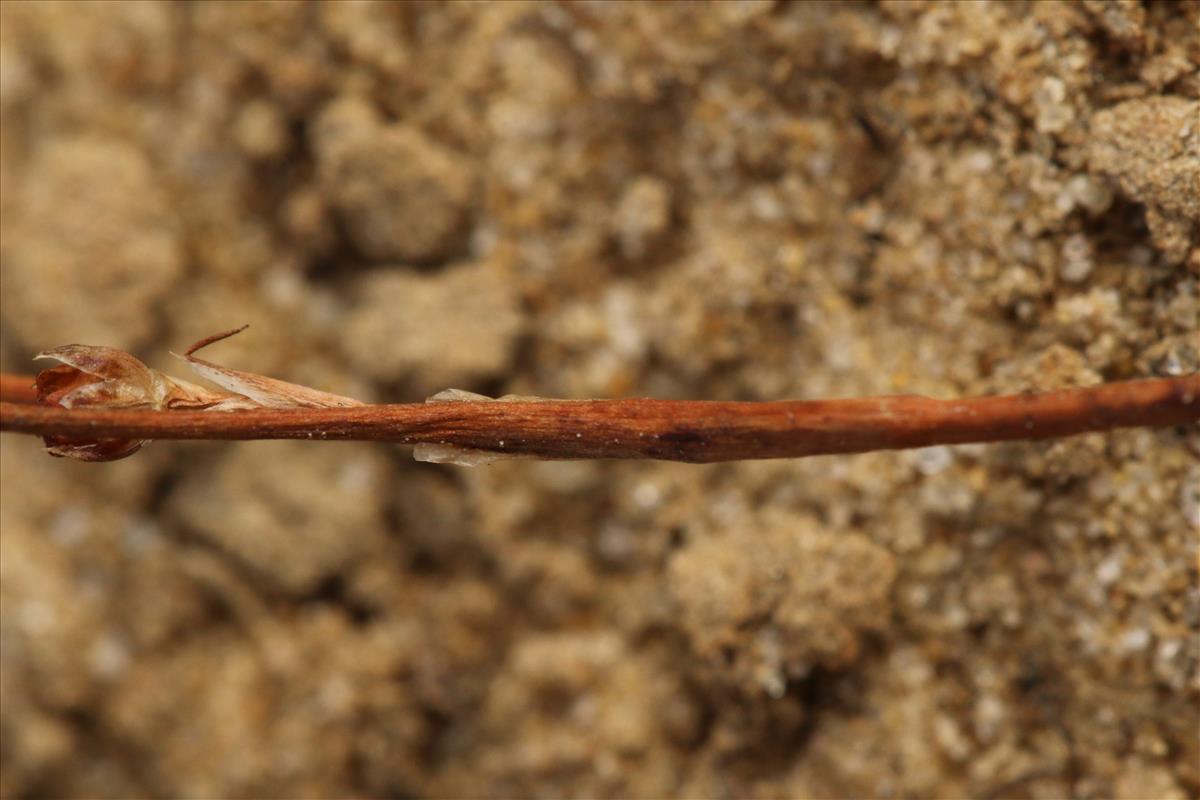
[103,377]
[265,392]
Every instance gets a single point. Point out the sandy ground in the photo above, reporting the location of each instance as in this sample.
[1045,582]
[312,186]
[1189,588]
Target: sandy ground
[750,200]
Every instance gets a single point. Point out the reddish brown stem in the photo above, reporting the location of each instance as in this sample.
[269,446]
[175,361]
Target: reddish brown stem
[17,388]
[673,430]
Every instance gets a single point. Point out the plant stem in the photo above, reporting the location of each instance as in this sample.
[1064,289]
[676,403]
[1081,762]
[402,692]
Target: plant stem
[672,430]
[17,388]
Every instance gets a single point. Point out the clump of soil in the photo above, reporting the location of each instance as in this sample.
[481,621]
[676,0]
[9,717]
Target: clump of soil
[750,200]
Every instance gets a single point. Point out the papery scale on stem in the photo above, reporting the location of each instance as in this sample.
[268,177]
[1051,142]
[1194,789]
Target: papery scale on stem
[104,377]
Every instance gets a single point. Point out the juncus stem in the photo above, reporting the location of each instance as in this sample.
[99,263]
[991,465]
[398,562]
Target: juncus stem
[17,388]
[672,430]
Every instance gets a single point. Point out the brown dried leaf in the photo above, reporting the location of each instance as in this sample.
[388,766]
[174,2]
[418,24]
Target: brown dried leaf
[103,377]
[98,376]
[96,450]
[266,392]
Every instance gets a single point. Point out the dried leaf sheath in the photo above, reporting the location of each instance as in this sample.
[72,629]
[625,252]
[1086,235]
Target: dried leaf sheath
[102,377]
[106,378]
[263,391]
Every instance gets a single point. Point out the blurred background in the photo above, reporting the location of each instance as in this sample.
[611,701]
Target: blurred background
[744,200]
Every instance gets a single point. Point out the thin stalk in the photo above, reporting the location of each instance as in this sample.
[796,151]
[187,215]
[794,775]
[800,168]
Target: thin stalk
[17,388]
[672,430]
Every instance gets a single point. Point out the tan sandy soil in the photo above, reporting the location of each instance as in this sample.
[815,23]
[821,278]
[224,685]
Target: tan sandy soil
[751,200]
